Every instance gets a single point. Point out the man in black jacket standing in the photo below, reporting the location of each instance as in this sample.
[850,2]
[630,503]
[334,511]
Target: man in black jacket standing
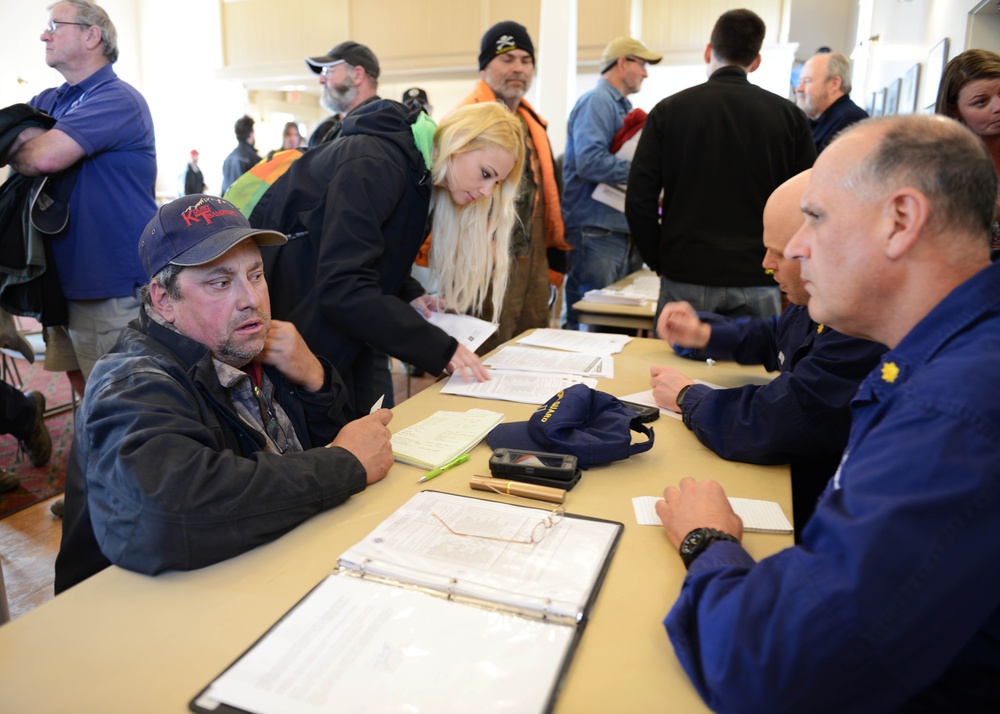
[202,432]
[717,151]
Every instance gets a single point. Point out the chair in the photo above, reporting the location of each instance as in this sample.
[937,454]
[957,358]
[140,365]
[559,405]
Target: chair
[11,357]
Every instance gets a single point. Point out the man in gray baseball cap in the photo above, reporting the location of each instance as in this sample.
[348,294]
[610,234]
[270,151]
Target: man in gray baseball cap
[202,432]
[349,76]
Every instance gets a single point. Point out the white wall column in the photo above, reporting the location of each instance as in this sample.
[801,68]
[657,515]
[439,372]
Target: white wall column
[556,74]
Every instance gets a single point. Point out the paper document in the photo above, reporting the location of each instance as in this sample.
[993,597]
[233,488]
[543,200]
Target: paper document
[442,437]
[523,387]
[610,195]
[646,285]
[469,331]
[356,645]
[555,575]
[610,296]
[532,360]
[647,400]
[758,516]
[573,341]
[420,618]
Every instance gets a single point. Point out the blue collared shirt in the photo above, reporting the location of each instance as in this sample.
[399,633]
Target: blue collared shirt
[593,123]
[892,601]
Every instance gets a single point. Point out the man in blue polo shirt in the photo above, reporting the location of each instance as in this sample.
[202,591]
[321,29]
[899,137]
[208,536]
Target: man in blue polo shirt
[892,601]
[103,129]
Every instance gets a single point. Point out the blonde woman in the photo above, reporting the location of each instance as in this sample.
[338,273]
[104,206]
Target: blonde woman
[357,210]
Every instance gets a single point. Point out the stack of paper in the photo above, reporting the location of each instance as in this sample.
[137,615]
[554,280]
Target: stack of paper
[442,437]
[615,297]
[420,619]
[469,331]
[522,387]
[528,360]
[573,341]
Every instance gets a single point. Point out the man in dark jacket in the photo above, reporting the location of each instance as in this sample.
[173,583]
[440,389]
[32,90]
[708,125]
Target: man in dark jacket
[348,74]
[201,434]
[823,93]
[803,415]
[359,205]
[716,151]
[243,157]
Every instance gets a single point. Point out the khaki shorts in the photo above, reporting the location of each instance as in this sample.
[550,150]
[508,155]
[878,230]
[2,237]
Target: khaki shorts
[94,326]
[59,353]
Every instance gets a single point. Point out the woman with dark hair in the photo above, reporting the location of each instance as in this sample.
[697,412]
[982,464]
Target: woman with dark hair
[970,93]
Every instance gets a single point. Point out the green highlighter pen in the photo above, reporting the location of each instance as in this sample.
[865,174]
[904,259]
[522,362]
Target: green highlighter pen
[441,469]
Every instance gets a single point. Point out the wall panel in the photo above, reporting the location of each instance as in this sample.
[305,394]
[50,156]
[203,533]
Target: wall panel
[681,28]
[599,22]
[265,32]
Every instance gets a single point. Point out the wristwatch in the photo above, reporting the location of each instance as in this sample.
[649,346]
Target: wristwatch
[681,394]
[695,543]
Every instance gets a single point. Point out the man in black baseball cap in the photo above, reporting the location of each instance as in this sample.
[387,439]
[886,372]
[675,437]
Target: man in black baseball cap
[202,432]
[537,245]
[349,76]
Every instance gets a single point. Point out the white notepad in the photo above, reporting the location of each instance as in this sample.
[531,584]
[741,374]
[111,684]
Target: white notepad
[758,516]
[442,437]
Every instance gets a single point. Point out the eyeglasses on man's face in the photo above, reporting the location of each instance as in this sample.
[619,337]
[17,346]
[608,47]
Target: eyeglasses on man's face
[327,70]
[53,25]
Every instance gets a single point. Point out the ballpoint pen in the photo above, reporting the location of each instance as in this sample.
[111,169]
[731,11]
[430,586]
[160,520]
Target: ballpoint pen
[441,469]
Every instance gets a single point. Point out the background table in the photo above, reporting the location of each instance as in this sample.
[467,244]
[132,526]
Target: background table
[632,317]
[123,642]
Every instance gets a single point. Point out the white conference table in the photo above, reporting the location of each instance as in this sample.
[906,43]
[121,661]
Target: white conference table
[123,642]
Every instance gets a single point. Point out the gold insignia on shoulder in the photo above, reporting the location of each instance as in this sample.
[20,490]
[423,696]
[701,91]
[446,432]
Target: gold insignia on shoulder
[820,328]
[889,372]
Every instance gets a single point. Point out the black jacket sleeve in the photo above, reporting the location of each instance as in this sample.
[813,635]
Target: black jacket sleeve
[642,200]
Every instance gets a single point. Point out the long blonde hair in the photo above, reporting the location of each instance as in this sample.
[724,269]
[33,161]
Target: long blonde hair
[470,251]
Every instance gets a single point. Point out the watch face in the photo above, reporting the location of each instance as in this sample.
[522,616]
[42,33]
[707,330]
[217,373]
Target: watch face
[692,541]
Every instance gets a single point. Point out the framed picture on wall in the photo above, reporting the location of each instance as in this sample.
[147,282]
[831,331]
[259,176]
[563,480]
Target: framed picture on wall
[908,93]
[879,103]
[870,106]
[892,97]
[936,60]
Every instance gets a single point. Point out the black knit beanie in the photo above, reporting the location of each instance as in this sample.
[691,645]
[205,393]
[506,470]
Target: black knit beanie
[504,37]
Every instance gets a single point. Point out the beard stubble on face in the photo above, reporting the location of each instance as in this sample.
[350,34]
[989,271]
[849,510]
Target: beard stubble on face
[338,98]
[237,354]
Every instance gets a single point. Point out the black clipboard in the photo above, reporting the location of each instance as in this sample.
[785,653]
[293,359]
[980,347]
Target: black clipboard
[204,703]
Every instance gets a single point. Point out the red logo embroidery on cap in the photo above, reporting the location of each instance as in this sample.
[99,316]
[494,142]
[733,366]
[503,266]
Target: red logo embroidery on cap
[203,211]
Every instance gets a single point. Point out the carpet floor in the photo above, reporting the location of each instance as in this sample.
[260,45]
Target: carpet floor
[39,482]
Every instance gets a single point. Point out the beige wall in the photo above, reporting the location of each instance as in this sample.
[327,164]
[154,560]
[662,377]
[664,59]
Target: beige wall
[906,33]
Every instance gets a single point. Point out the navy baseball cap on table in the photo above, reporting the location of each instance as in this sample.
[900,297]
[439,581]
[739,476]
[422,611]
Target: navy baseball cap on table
[593,426]
[195,230]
